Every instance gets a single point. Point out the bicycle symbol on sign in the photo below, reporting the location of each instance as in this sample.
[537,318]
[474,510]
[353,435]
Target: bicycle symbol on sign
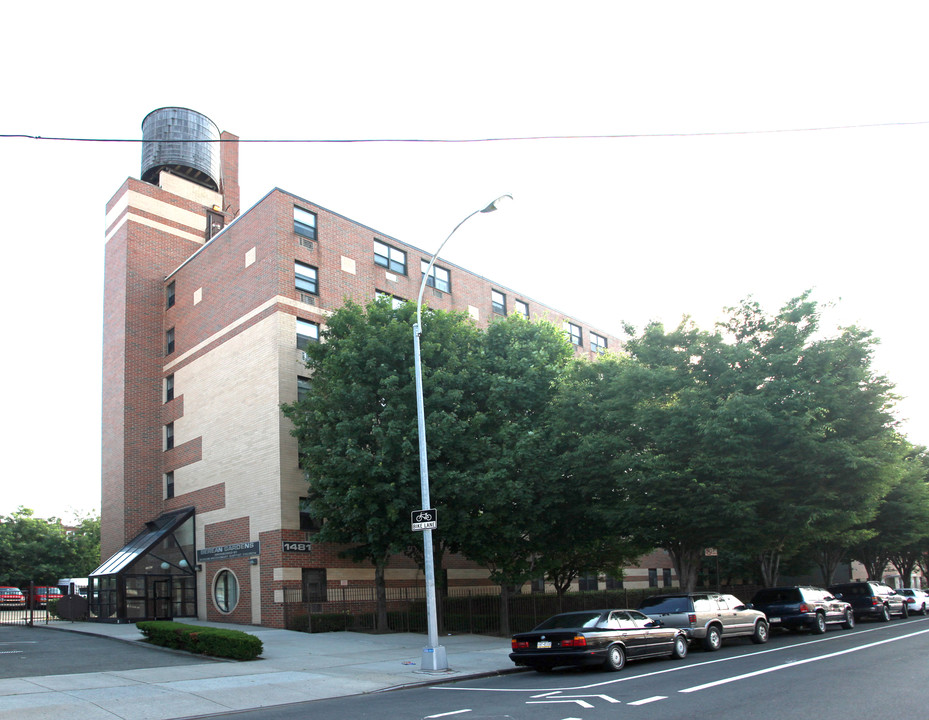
[424,517]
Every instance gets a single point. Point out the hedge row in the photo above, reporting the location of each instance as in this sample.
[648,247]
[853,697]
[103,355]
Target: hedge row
[218,642]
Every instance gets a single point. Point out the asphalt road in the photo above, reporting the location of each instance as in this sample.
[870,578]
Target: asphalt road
[41,650]
[875,670]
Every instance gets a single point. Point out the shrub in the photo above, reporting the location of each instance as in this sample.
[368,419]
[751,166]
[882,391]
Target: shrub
[217,642]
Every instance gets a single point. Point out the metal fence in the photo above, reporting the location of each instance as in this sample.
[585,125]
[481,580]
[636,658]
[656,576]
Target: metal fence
[464,610]
[32,612]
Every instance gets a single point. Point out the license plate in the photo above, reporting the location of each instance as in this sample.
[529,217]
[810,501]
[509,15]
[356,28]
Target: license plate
[543,644]
[774,620]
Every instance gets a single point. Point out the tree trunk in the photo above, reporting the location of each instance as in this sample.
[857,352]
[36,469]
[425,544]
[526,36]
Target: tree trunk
[504,609]
[770,564]
[380,595]
[686,562]
[828,559]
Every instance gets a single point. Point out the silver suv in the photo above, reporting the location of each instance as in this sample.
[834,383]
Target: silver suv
[707,616]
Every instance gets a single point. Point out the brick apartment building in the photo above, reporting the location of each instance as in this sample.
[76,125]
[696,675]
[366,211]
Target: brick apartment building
[205,308]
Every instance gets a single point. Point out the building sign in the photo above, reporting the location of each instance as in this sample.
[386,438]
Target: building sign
[229,552]
[300,547]
[424,519]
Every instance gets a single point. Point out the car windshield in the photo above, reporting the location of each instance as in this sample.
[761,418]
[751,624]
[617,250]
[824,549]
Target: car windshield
[665,604]
[571,620]
[777,595]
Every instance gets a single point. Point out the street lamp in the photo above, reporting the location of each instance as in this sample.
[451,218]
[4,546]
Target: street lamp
[434,658]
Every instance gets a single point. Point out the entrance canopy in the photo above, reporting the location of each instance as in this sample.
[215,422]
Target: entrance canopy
[152,577]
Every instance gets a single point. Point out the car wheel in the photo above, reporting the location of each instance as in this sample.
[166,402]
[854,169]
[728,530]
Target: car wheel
[905,613]
[885,614]
[849,620]
[615,658]
[819,624]
[680,647]
[713,639]
[760,636]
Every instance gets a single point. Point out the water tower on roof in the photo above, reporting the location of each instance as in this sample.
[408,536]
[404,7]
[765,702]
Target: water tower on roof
[183,142]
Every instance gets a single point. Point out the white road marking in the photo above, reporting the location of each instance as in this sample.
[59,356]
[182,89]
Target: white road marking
[446,714]
[582,703]
[678,668]
[646,701]
[796,663]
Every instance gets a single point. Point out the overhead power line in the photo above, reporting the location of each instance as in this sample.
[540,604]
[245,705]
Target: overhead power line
[523,138]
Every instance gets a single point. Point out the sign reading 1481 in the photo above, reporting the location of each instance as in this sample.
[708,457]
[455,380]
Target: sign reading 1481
[424,519]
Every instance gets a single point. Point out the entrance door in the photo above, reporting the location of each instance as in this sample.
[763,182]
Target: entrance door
[161,599]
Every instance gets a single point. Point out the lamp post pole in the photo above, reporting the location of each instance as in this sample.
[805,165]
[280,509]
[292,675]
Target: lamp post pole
[434,657]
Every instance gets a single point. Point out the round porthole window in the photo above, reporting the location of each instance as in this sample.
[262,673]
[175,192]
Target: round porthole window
[226,591]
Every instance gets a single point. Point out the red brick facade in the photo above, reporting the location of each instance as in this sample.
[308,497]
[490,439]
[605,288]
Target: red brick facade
[239,281]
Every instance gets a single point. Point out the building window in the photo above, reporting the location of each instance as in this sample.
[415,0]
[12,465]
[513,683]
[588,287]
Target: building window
[395,302]
[169,485]
[498,301]
[597,343]
[169,436]
[439,277]
[169,294]
[666,577]
[588,583]
[304,223]
[169,388]
[653,577]
[614,583]
[306,518]
[307,332]
[538,585]
[314,585]
[305,278]
[226,591]
[389,257]
[575,334]
[522,308]
[169,341]
[303,387]
[215,222]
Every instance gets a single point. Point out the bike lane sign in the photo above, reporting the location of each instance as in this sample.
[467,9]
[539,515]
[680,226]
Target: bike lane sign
[424,519]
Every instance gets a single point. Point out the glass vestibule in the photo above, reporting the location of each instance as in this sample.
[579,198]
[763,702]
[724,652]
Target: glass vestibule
[152,578]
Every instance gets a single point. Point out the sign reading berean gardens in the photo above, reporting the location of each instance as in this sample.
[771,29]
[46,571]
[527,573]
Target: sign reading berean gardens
[228,552]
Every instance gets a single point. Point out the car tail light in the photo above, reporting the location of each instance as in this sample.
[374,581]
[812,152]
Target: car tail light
[911,600]
[520,644]
[876,601]
[804,608]
[692,618]
[576,641]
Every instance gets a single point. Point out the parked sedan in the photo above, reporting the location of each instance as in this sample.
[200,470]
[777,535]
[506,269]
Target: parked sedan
[801,606]
[596,637]
[12,597]
[918,600]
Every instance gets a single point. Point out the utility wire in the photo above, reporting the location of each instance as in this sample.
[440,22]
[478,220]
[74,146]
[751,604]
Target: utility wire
[477,140]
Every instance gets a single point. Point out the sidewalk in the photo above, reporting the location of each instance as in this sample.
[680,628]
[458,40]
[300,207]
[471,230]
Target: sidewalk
[294,667]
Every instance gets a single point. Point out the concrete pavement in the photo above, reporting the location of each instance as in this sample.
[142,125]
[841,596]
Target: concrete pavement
[294,667]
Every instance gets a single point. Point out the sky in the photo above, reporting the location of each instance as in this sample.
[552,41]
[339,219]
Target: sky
[699,153]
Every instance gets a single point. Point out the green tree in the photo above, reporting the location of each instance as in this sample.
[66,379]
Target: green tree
[806,429]
[503,503]
[356,427]
[39,551]
[585,438]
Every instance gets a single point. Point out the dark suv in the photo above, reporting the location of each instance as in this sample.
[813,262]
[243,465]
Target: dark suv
[707,616]
[800,606]
[871,599]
